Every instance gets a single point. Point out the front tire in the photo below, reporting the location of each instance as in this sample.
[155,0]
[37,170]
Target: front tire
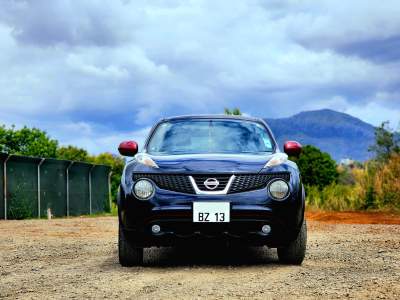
[128,255]
[294,253]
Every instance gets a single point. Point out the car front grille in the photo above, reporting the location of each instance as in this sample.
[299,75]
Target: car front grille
[249,182]
[241,183]
[171,182]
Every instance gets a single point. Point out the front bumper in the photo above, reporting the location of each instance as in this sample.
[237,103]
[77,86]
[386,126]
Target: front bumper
[248,215]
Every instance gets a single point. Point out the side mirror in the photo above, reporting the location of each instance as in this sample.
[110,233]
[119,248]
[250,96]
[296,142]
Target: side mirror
[292,148]
[128,148]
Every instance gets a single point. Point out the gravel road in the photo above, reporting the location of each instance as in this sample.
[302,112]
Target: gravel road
[77,258]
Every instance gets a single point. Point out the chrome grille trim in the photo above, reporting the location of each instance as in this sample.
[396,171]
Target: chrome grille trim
[222,192]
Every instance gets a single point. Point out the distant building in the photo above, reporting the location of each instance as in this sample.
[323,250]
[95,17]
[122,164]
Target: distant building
[347,162]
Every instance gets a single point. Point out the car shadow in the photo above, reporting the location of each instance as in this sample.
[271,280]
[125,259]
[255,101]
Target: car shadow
[190,256]
[209,255]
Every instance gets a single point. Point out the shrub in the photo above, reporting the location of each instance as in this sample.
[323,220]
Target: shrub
[20,205]
[376,186]
[387,183]
[317,168]
[334,197]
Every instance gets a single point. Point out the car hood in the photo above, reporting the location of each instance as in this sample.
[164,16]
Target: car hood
[203,163]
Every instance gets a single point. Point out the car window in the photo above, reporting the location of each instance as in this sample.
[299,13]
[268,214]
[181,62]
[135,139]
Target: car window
[209,136]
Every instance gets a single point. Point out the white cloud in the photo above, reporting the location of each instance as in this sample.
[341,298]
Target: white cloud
[97,139]
[375,114]
[121,65]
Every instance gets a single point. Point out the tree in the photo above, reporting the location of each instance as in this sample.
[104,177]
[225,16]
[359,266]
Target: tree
[234,112]
[317,168]
[27,141]
[386,142]
[72,153]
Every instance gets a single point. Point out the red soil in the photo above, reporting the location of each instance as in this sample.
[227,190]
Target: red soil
[353,217]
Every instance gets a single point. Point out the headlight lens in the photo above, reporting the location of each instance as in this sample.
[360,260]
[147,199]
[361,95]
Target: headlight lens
[279,189]
[276,160]
[146,160]
[143,189]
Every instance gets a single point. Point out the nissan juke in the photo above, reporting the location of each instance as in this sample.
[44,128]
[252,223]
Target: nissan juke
[214,180]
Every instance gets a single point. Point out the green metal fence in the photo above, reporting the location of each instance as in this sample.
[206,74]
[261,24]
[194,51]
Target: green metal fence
[2,210]
[67,188]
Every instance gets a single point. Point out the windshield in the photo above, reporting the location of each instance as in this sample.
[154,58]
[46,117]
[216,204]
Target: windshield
[209,136]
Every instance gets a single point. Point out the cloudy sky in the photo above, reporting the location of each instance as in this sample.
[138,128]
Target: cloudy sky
[92,73]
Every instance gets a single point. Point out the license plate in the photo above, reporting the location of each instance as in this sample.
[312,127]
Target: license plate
[211,212]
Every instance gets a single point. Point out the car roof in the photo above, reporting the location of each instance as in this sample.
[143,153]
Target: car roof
[218,117]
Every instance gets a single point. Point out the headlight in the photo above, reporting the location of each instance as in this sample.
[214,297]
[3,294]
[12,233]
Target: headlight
[279,189]
[143,189]
[146,160]
[276,160]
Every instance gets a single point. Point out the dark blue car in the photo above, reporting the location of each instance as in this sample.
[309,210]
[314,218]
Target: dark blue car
[211,179]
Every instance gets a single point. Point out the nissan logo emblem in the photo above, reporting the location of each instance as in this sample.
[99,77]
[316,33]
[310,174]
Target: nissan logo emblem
[211,183]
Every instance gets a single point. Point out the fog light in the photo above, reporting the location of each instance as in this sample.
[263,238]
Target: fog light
[266,229]
[156,228]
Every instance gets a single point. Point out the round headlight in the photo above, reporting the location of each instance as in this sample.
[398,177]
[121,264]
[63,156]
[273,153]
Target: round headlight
[143,189]
[279,189]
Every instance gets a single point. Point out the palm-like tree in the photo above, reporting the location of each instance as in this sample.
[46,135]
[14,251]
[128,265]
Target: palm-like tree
[235,112]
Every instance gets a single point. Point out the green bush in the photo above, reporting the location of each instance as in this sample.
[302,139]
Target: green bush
[317,168]
[20,206]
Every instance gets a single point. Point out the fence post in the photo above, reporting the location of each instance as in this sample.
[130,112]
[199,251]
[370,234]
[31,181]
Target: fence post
[38,183]
[90,188]
[5,185]
[109,189]
[71,163]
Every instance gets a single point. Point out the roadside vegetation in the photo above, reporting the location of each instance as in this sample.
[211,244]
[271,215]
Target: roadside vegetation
[372,185]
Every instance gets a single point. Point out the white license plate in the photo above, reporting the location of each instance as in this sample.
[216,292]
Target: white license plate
[211,212]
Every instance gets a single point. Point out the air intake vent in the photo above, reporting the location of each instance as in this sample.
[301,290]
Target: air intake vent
[248,182]
[172,182]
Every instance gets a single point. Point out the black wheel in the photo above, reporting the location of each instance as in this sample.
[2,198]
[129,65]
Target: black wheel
[128,255]
[294,253]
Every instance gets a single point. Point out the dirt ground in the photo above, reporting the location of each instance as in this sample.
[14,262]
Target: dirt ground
[77,258]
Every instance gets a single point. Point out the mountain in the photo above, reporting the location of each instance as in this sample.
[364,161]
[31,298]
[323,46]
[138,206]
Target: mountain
[339,134]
